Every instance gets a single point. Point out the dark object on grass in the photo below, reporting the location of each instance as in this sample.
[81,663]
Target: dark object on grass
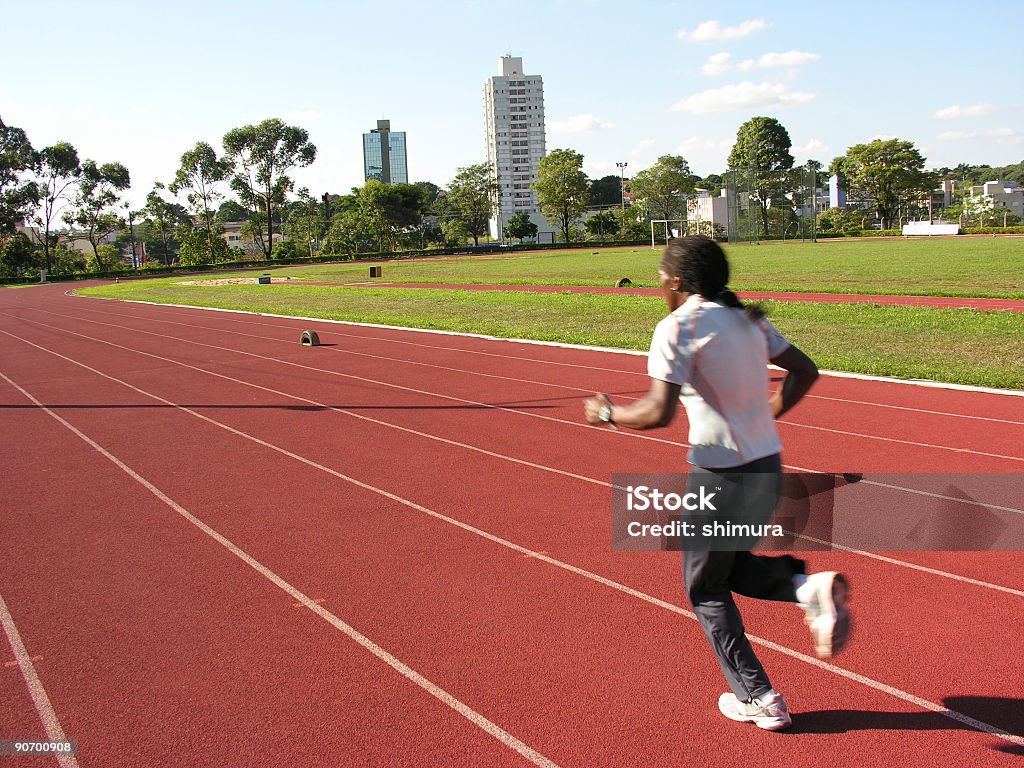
[265,280]
[309,339]
[623,282]
[375,271]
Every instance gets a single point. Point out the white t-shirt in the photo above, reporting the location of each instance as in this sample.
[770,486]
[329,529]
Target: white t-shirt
[720,358]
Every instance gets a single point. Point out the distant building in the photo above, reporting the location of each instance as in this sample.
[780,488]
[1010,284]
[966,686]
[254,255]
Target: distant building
[1000,196]
[384,155]
[836,194]
[705,214]
[514,109]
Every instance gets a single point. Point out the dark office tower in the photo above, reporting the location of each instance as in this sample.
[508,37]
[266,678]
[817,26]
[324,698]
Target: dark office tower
[384,156]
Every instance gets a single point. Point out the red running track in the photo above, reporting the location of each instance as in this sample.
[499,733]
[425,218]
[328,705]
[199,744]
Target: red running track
[223,548]
[935,302]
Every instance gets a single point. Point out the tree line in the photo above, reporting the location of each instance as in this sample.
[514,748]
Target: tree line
[183,220]
[885,181]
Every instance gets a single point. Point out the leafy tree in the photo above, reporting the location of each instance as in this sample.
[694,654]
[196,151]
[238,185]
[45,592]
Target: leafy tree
[304,221]
[166,217]
[661,187]
[763,147]
[198,176]
[434,202]
[106,258]
[287,248]
[472,197]
[713,183]
[17,256]
[17,195]
[840,220]
[390,209]
[562,188]
[820,174]
[66,261]
[431,193]
[230,210]
[349,233]
[630,227]
[263,155]
[197,248]
[605,192]
[455,232]
[520,227]
[57,173]
[602,224]
[98,189]
[889,172]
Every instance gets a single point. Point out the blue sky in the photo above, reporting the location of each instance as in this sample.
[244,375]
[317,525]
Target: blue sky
[624,82]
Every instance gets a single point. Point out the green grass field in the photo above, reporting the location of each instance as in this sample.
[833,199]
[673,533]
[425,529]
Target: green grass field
[991,267]
[962,346]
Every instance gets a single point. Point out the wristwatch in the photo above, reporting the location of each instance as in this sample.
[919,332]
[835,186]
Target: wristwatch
[605,414]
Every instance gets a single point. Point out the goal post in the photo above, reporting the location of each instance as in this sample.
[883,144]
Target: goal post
[665,223]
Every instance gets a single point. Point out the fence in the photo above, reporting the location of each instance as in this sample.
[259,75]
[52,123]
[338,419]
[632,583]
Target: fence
[773,206]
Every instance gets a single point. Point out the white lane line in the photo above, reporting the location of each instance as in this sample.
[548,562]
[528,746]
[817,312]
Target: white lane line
[829,667]
[560,345]
[258,337]
[510,458]
[915,443]
[844,433]
[641,374]
[405,670]
[894,561]
[54,731]
[363,379]
[917,410]
[470,372]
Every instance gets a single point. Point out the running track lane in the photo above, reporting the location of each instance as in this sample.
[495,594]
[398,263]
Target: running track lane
[876,452]
[221,405]
[466,483]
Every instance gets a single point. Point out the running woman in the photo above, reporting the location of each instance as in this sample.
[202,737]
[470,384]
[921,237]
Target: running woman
[711,353]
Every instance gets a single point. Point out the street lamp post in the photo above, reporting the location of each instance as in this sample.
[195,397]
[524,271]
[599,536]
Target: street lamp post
[622,183]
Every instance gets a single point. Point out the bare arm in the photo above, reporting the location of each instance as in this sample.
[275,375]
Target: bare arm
[801,373]
[655,409]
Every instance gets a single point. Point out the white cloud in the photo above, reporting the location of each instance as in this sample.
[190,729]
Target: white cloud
[974,110]
[778,60]
[999,135]
[745,95]
[642,146]
[813,148]
[698,144]
[716,64]
[579,124]
[713,31]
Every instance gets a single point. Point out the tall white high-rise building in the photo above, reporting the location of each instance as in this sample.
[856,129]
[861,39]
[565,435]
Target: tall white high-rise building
[514,105]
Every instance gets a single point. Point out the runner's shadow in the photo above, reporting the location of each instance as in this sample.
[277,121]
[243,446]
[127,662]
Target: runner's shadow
[1003,713]
[846,720]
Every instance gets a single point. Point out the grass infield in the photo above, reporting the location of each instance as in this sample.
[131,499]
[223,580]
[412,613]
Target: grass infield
[959,346]
[984,267]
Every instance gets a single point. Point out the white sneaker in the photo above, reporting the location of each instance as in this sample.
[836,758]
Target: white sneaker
[823,597]
[769,712]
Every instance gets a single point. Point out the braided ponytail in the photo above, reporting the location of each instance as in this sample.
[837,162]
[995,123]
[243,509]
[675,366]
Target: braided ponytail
[702,268]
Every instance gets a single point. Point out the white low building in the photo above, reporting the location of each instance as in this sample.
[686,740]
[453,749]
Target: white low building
[705,214]
[1000,196]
